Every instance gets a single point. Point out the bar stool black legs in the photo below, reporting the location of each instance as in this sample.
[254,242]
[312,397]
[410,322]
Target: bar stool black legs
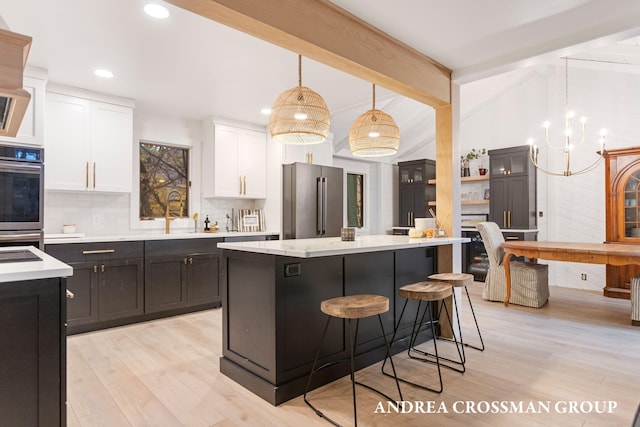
[427,292]
[461,280]
[343,307]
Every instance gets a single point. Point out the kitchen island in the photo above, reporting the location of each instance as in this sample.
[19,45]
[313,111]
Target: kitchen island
[33,337]
[271,294]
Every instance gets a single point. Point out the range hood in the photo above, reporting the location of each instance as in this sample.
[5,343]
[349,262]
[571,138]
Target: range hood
[14,49]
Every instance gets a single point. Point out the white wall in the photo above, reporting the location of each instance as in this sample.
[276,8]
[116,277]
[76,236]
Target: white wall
[573,207]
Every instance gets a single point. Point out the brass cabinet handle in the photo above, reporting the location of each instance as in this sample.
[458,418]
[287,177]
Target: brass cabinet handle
[94,175]
[240,179]
[99,251]
[190,260]
[95,268]
[409,219]
[245,184]
[102,268]
[86,175]
[70,294]
[185,261]
[509,218]
[504,219]
[511,238]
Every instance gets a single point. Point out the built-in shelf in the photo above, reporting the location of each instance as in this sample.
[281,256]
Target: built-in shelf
[474,178]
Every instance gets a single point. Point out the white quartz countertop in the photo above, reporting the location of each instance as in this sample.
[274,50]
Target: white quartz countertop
[52,239]
[46,268]
[308,248]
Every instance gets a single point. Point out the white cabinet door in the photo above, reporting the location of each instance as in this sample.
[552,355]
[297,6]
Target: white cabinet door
[111,148]
[252,164]
[234,162]
[88,145]
[226,177]
[318,154]
[66,143]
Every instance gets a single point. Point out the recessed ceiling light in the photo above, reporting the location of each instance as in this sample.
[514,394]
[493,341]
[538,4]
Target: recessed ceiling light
[266,111]
[156,11]
[103,73]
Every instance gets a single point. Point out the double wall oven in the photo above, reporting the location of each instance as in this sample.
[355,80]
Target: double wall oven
[21,196]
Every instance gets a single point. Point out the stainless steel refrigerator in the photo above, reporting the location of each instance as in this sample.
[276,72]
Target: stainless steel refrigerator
[311,201]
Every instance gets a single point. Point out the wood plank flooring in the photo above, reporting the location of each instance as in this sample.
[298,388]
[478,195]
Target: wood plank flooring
[579,348]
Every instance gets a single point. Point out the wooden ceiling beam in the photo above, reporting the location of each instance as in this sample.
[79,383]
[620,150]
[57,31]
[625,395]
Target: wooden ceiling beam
[324,32]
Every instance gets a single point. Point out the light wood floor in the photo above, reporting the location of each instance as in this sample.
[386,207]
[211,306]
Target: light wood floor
[579,347]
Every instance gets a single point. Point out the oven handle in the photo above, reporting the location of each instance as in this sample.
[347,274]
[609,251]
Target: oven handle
[18,237]
[20,167]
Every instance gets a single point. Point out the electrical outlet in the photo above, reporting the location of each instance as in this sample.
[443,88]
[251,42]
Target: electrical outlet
[583,276]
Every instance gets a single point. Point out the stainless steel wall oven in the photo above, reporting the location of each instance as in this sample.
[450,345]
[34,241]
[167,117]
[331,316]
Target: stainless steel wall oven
[21,196]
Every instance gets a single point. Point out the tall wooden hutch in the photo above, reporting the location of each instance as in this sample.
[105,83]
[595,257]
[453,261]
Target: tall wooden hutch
[622,186]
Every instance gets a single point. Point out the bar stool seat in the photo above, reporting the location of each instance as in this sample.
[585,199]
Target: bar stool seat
[461,280]
[426,292]
[355,306]
[352,307]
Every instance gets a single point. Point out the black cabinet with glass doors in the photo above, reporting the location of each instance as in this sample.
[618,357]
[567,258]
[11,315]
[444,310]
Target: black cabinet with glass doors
[414,190]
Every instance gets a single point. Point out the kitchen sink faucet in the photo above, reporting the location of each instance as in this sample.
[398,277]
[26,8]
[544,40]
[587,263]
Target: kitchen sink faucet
[167,218]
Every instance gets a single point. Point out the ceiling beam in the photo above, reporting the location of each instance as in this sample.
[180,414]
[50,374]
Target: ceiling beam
[322,31]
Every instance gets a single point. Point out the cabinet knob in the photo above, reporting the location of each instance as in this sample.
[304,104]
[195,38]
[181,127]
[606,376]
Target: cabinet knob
[190,260]
[185,261]
[70,294]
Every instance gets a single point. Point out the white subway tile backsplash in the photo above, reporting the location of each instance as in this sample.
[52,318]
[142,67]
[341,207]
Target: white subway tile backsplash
[97,214]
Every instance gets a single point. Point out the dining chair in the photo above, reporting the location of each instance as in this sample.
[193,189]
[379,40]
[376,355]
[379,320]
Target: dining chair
[529,281]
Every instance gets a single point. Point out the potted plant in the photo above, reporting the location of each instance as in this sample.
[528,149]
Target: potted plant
[472,155]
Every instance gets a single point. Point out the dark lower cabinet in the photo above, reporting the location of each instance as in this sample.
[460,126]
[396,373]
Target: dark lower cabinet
[33,353]
[115,283]
[107,282]
[181,273]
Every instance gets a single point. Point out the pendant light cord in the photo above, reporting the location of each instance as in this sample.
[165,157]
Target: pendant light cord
[374,96]
[299,70]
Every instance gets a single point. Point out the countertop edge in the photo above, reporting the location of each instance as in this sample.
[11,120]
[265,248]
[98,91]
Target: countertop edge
[137,237]
[48,267]
[301,248]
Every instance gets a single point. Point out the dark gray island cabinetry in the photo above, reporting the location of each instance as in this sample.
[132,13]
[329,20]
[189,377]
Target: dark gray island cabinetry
[33,349]
[271,294]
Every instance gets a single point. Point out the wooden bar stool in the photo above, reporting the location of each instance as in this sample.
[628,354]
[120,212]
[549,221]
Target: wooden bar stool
[352,307]
[457,280]
[429,292]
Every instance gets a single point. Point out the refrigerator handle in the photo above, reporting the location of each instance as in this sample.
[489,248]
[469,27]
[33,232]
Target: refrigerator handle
[324,205]
[319,206]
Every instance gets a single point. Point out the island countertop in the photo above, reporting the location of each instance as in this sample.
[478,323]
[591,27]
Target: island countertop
[44,268]
[328,246]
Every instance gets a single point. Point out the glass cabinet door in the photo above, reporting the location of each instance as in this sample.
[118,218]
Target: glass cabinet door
[418,174]
[631,218]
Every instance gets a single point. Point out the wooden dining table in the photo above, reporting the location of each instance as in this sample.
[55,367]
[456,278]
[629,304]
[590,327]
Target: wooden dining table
[591,253]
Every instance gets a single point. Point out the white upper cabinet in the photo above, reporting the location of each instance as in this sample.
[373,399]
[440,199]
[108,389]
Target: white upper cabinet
[31,131]
[88,145]
[318,154]
[234,162]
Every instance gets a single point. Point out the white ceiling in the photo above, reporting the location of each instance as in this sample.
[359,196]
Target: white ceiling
[190,67]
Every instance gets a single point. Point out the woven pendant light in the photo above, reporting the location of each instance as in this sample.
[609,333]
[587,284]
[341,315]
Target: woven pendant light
[374,134]
[299,115]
